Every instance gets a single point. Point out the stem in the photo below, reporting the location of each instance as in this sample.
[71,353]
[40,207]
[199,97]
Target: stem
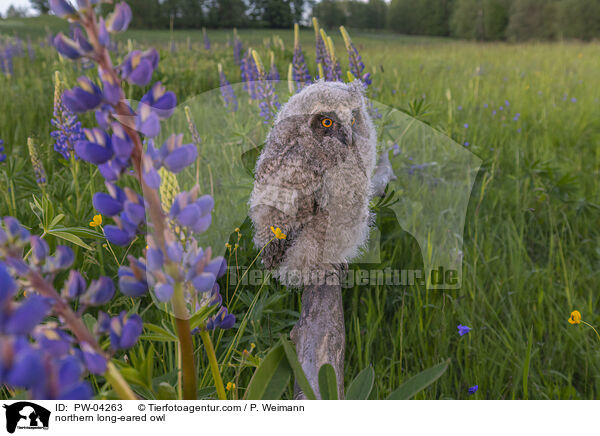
[214,366]
[116,380]
[186,346]
[592,327]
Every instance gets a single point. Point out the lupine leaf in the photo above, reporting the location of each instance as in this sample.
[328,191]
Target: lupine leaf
[301,379]
[271,377]
[419,382]
[361,386]
[327,383]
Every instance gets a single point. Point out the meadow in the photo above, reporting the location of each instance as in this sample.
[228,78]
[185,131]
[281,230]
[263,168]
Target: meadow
[531,247]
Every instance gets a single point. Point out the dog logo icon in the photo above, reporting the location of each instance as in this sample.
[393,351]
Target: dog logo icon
[26,415]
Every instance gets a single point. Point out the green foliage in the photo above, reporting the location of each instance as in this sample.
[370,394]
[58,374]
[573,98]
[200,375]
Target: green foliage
[328,383]
[419,382]
[361,386]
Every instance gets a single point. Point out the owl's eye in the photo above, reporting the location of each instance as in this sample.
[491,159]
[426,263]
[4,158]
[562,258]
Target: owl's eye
[327,122]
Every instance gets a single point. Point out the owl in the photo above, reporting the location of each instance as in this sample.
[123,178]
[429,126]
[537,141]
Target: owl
[313,181]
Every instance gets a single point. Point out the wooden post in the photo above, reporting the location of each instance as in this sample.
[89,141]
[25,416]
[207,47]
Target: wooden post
[320,336]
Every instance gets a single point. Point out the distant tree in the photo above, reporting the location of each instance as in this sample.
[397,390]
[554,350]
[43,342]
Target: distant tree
[192,14]
[421,17]
[278,13]
[40,6]
[298,7]
[357,14]
[533,19]
[330,13]
[16,12]
[227,13]
[480,19]
[579,19]
[376,14]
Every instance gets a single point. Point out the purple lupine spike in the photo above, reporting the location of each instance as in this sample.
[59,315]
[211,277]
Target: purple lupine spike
[68,127]
[238,48]
[357,66]
[227,92]
[206,40]
[300,72]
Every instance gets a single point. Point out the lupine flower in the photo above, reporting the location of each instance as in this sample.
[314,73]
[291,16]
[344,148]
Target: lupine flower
[119,20]
[206,40]
[97,149]
[67,47]
[125,331]
[331,67]
[137,67]
[463,329]
[36,162]
[192,211]
[68,127]
[41,357]
[249,74]
[2,154]
[273,73]
[61,8]
[238,48]
[321,51]
[82,98]
[173,155]
[357,66]
[268,101]
[300,73]
[222,320]
[227,92]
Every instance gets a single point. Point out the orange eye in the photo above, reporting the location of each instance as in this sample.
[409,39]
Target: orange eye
[327,122]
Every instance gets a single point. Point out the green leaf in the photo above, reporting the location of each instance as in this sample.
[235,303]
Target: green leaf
[166,392]
[160,333]
[58,218]
[271,377]
[70,237]
[82,232]
[361,386]
[419,382]
[301,379]
[328,383]
[250,157]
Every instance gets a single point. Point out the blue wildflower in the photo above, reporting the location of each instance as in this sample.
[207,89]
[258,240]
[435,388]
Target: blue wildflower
[463,329]
[473,389]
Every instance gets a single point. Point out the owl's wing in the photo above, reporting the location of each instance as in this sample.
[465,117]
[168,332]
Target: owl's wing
[432,177]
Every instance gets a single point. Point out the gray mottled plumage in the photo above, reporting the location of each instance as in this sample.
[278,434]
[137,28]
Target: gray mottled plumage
[314,182]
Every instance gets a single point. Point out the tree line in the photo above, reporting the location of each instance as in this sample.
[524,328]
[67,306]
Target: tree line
[484,20]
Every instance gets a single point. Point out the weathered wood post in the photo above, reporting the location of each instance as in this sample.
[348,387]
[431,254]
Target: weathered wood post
[319,335]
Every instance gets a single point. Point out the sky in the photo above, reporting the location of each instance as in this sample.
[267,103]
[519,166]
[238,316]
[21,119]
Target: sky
[4,4]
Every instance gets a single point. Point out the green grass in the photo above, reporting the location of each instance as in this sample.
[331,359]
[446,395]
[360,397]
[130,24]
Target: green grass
[531,241]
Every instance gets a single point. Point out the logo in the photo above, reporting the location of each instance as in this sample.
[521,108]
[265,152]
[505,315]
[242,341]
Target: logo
[26,415]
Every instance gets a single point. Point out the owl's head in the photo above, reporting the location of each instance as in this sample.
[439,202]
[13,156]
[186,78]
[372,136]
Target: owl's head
[333,113]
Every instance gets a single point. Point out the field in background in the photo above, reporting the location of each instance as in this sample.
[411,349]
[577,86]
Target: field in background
[532,240]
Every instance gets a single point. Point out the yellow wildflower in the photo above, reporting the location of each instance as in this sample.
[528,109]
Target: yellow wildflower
[96,221]
[278,233]
[230,386]
[575,317]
